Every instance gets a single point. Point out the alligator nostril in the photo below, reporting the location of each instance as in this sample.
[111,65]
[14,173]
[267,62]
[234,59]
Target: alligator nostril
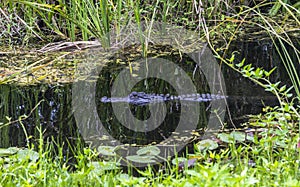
[104,99]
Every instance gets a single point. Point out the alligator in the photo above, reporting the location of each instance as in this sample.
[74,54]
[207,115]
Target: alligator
[142,98]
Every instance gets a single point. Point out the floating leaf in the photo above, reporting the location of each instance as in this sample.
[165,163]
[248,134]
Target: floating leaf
[183,163]
[226,138]
[190,163]
[127,179]
[207,144]
[141,159]
[149,150]
[9,151]
[27,154]
[107,150]
[103,166]
[238,136]
[124,176]
[250,138]
[179,160]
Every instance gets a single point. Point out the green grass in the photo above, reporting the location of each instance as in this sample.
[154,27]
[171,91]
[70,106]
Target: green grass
[267,154]
[269,158]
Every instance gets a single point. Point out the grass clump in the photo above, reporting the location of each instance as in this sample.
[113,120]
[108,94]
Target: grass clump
[269,157]
[266,154]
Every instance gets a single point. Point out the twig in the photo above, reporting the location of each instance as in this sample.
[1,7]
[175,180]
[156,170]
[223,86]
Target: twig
[24,116]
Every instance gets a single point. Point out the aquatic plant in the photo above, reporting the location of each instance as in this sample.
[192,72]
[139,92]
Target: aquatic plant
[266,153]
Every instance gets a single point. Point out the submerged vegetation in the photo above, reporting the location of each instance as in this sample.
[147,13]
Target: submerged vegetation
[264,153]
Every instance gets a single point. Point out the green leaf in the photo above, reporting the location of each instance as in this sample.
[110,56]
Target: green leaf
[231,58]
[207,144]
[149,150]
[247,67]
[141,159]
[251,180]
[258,73]
[281,144]
[273,11]
[178,160]
[238,136]
[9,151]
[283,88]
[276,84]
[250,138]
[241,63]
[193,173]
[27,154]
[226,138]
[99,167]
[107,150]
[270,72]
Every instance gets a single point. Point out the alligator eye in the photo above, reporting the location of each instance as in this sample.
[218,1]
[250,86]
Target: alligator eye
[134,94]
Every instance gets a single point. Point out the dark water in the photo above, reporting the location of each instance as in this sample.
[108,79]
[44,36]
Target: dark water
[54,114]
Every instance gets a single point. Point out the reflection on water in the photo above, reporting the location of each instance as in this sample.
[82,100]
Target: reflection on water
[45,106]
[54,112]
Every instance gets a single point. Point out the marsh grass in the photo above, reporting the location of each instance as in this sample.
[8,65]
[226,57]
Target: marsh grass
[79,20]
[280,33]
[272,156]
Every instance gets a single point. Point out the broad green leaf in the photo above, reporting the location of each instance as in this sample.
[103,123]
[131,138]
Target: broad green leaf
[238,136]
[178,160]
[27,154]
[141,159]
[250,138]
[103,166]
[226,138]
[207,144]
[149,150]
[107,150]
[8,151]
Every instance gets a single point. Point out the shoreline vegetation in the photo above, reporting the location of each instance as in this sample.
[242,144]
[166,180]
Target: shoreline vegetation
[42,38]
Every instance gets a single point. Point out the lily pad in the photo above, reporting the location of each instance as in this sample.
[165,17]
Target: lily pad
[207,144]
[107,150]
[238,136]
[250,137]
[9,151]
[141,159]
[27,154]
[149,150]
[179,160]
[127,179]
[226,138]
[103,166]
